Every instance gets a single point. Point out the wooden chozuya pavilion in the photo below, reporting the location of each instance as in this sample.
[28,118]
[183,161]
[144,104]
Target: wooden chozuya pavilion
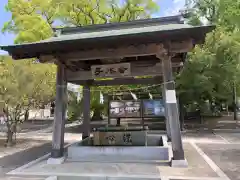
[122,51]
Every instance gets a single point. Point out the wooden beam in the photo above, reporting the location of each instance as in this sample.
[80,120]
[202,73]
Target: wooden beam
[137,69]
[123,81]
[47,58]
[118,52]
[175,47]
[180,46]
[130,51]
[124,51]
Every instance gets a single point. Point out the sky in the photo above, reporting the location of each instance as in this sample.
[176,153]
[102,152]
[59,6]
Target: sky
[167,8]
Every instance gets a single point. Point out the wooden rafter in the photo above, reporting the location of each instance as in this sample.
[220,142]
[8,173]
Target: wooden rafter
[130,51]
[118,52]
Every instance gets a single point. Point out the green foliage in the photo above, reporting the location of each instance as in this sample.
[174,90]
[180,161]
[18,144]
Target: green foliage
[212,69]
[34,20]
[31,20]
[207,9]
[24,85]
[74,106]
[96,107]
[222,12]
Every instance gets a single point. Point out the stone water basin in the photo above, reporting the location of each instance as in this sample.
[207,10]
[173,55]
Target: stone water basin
[142,148]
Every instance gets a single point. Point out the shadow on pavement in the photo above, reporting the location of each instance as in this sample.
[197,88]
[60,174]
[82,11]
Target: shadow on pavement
[18,159]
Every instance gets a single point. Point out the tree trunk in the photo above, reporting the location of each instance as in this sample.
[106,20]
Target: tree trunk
[181,113]
[97,115]
[9,138]
[234,103]
[26,115]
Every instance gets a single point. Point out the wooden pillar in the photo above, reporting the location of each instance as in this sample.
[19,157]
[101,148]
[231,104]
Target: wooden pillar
[86,112]
[172,108]
[59,114]
[108,109]
[166,116]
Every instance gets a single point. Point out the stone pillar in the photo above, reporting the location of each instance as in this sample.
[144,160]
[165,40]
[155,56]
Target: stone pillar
[86,112]
[166,116]
[172,108]
[59,115]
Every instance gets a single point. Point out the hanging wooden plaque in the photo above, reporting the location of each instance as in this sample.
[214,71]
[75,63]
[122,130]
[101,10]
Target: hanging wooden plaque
[111,70]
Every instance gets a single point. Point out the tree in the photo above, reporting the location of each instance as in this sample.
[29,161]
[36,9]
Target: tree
[225,13]
[22,86]
[213,68]
[34,20]
[74,106]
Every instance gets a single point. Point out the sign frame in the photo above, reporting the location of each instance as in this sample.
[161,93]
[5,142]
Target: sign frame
[124,101]
[152,116]
[141,109]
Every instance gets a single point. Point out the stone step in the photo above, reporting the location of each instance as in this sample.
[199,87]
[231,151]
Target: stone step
[23,178]
[81,178]
[118,159]
[106,178]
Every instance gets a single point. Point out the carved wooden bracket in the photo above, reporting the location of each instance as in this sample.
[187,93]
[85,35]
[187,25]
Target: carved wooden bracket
[171,48]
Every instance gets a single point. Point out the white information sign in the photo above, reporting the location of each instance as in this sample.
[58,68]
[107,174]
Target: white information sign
[171,96]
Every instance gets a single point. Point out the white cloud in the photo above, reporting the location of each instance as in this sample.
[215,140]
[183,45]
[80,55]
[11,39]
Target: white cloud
[177,5]
[178,1]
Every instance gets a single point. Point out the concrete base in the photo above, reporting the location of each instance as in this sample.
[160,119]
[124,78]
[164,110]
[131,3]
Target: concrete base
[56,160]
[157,150]
[179,163]
[52,178]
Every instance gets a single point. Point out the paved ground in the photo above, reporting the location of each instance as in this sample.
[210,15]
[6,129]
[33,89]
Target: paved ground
[210,157]
[18,159]
[215,155]
[35,125]
[227,155]
[37,143]
[22,144]
[197,166]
